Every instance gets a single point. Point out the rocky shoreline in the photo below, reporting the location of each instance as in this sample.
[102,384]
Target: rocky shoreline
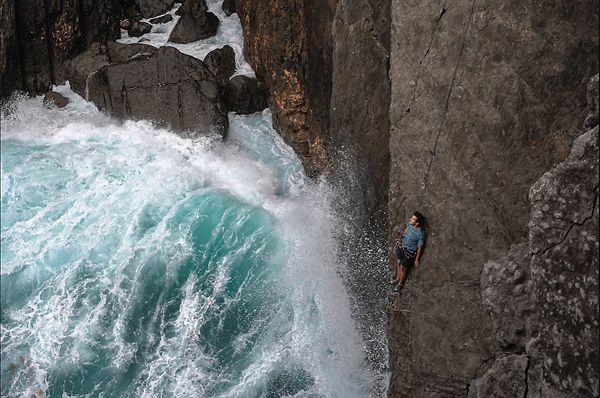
[471,113]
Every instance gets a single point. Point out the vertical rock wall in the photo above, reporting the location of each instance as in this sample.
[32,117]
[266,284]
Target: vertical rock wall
[485,98]
[289,46]
[38,37]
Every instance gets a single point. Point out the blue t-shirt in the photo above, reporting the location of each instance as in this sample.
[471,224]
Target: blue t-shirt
[413,238]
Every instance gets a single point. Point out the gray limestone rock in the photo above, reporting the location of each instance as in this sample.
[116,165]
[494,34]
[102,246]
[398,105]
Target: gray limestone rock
[506,294]
[165,86]
[563,236]
[507,378]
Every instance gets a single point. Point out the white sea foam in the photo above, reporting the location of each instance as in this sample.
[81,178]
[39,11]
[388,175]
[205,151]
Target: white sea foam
[229,33]
[109,204]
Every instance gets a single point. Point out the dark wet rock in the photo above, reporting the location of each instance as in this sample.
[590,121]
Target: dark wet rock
[221,62]
[10,64]
[506,294]
[507,378]
[54,99]
[38,37]
[131,12]
[196,23]
[162,19]
[592,98]
[152,8]
[166,86]
[78,69]
[244,95]
[136,28]
[228,7]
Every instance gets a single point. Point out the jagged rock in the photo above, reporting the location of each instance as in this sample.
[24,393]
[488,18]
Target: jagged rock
[152,8]
[166,86]
[195,23]
[592,98]
[54,99]
[80,67]
[221,62]
[244,95]
[507,378]
[38,37]
[563,236]
[228,7]
[289,47]
[506,293]
[162,19]
[136,28]
[130,11]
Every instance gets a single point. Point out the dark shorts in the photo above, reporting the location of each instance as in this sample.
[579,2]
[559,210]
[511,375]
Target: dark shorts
[405,259]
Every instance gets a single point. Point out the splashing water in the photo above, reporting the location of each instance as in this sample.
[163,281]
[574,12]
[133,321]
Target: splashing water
[137,263]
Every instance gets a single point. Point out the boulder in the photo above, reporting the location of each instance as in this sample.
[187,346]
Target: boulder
[136,28]
[244,95]
[228,7]
[196,23]
[162,19]
[166,86]
[54,99]
[221,62]
[152,8]
[80,67]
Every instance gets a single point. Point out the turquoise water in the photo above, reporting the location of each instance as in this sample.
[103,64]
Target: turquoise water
[139,264]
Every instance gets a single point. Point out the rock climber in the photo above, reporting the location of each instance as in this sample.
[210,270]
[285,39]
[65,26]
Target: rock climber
[409,248]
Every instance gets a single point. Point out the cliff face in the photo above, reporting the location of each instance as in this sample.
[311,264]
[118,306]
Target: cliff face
[37,39]
[289,46]
[485,98]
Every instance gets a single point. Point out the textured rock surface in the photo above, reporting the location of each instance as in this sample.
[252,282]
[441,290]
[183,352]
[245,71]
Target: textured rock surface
[563,236]
[244,95]
[45,35]
[507,378]
[195,23]
[288,43]
[592,98]
[228,7]
[485,99]
[221,62]
[78,69]
[136,28]
[506,294]
[152,8]
[166,86]
[10,63]
[54,99]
